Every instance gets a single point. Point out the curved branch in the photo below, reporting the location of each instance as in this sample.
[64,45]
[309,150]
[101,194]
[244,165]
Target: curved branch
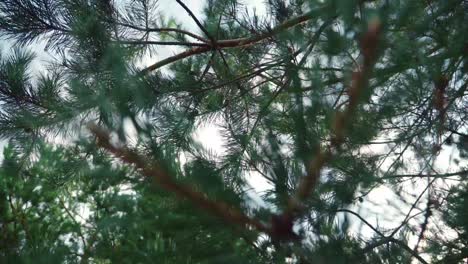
[362,219]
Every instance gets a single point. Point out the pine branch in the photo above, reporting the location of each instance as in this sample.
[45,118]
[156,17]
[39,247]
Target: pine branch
[286,83]
[155,171]
[342,119]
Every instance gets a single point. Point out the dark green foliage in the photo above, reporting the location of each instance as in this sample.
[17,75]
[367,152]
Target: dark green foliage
[330,103]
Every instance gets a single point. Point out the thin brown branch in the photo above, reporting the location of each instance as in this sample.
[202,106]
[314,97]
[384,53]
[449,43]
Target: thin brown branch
[155,171]
[174,58]
[235,43]
[163,43]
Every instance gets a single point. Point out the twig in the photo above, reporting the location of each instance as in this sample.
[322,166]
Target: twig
[385,239]
[80,233]
[444,175]
[405,221]
[175,30]
[196,21]
[207,67]
[425,224]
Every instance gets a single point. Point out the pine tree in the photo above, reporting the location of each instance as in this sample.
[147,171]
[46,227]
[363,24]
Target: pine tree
[330,102]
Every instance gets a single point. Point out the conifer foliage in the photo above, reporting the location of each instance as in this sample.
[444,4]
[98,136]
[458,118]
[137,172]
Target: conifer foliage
[331,104]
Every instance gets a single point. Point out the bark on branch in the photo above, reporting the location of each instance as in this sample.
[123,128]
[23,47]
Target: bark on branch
[155,171]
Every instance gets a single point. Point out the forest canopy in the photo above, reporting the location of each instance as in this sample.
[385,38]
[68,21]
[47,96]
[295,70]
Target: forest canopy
[342,127]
